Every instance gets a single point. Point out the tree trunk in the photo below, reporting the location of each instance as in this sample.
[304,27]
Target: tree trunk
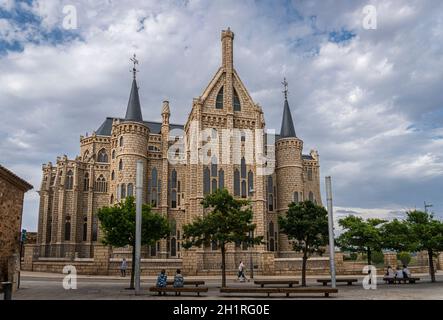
[131,286]
[431,265]
[303,269]
[223,265]
[369,257]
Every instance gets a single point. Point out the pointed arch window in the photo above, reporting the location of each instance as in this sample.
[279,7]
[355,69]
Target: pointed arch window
[219,100]
[236,183]
[121,142]
[243,168]
[237,105]
[113,154]
[123,191]
[120,165]
[296,197]
[112,175]
[206,181]
[270,191]
[130,189]
[243,189]
[311,196]
[86,182]
[69,180]
[214,167]
[102,156]
[271,202]
[174,199]
[85,228]
[214,185]
[250,183]
[68,228]
[221,179]
[153,188]
[101,185]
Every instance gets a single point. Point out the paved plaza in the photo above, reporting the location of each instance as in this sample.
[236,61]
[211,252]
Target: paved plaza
[47,286]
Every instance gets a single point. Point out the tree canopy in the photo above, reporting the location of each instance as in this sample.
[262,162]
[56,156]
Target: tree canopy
[307,224]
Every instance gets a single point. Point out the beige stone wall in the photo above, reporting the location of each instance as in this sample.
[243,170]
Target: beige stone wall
[11,207]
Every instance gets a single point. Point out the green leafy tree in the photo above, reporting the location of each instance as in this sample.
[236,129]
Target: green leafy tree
[118,225]
[427,234]
[396,236]
[307,224]
[360,235]
[229,221]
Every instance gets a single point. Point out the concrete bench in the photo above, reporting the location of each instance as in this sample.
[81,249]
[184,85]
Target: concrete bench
[178,291]
[287,291]
[400,280]
[348,281]
[262,283]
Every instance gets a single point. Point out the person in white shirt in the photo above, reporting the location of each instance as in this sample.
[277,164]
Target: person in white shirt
[406,272]
[399,273]
[241,271]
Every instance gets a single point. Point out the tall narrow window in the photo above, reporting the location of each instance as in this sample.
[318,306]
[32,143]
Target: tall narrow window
[102,156]
[243,168]
[121,142]
[174,199]
[243,189]
[206,181]
[296,197]
[86,156]
[271,202]
[112,199]
[69,179]
[236,183]
[311,196]
[214,167]
[271,234]
[174,179]
[214,185]
[173,247]
[113,154]
[130,190]
[250,183]
[219,100]
[221,179]
[120,165]
[86,182]
[310,174]
[123,191]
[85,228]
[112,175]
[153,187]
[94,228]
[68,228]
[237,106]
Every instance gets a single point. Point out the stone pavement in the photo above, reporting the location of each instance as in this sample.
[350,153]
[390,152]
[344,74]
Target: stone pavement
[46,286]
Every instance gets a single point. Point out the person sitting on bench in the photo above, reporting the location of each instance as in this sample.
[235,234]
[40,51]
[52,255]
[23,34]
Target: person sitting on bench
[178,279]
[406,272]
[162,280]
[399,273]
[390,274]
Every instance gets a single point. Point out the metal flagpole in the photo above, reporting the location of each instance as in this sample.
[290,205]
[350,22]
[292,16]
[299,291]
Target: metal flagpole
[138,223]
[331,231]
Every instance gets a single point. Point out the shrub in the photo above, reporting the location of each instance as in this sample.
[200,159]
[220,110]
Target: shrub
[404,257]
[378,257]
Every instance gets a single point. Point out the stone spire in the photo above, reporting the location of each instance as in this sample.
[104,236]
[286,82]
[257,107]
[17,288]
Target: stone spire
[133,111]
[287,125]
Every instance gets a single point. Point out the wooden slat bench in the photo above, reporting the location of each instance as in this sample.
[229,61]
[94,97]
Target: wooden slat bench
[177,291]
[348,281]
[188,282]
[400,280]
[287,291]
[262,283]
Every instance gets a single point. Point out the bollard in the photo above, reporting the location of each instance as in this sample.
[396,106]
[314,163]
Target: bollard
[7,290]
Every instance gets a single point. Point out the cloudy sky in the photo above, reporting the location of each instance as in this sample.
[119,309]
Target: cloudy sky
[369,100]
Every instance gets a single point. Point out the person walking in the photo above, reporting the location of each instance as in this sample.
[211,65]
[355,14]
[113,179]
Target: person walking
[241,272]
[123,267]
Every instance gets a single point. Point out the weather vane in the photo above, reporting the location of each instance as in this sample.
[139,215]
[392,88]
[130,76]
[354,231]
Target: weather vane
[285,85]
[134,61]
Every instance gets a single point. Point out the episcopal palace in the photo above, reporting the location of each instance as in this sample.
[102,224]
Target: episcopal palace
[104,173]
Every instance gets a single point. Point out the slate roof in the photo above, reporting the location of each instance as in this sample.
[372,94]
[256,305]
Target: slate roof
[134,111]
[154,127]
[287,125]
